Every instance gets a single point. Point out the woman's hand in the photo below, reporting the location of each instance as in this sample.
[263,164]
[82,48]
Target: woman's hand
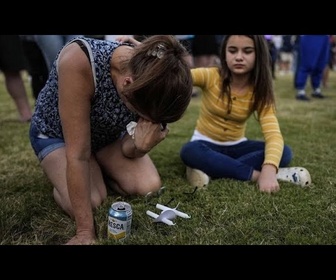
[147,134]
[82,239]
[143,137]
[127,39]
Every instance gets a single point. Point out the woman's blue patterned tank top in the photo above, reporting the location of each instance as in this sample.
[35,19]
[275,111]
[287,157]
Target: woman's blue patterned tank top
[109,115]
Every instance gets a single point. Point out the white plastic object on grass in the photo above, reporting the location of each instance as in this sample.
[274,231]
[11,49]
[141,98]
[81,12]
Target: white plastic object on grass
[167,215]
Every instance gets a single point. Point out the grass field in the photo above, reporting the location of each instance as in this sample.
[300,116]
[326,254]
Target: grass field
[226,213]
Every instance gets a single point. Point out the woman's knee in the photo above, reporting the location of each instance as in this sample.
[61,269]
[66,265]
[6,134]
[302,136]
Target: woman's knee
[145,185]
[154,185]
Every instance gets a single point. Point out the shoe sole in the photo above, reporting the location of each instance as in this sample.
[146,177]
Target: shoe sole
[297,175]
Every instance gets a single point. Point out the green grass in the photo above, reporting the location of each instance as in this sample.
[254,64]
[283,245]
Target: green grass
[227,212]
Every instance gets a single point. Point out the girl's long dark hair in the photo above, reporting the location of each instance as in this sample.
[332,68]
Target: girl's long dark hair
[260,78]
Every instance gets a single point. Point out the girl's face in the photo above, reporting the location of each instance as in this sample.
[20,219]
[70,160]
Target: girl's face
[240,54]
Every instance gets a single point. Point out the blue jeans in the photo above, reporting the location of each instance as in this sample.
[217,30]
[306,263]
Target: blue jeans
[50,45]
[235,162]
[43,145]
[313,57]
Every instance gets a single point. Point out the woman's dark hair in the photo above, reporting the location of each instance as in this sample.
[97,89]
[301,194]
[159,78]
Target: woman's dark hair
[162,82]
[260,78]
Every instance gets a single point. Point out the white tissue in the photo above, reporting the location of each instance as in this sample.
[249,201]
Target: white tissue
[131,128]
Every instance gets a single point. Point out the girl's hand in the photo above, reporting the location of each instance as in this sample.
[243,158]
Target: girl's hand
[267,180]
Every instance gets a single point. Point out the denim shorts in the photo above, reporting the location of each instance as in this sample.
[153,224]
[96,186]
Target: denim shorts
[42,144]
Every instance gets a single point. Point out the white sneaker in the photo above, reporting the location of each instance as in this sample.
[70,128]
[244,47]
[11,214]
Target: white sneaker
[297,175]
[197,178]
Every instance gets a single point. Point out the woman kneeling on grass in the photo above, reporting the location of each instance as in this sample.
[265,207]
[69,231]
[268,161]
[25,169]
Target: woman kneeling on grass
[79,128]
[242,86]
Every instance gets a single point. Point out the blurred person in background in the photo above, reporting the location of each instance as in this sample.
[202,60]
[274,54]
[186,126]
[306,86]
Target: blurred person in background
[313,55]
[114,37]
[187,42]
[286,54]
[12,62]
[331,61]
[37,67]
[50,45]
[205,50]
[273,53]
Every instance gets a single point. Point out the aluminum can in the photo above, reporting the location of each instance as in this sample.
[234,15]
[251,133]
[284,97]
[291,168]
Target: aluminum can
[119,220]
